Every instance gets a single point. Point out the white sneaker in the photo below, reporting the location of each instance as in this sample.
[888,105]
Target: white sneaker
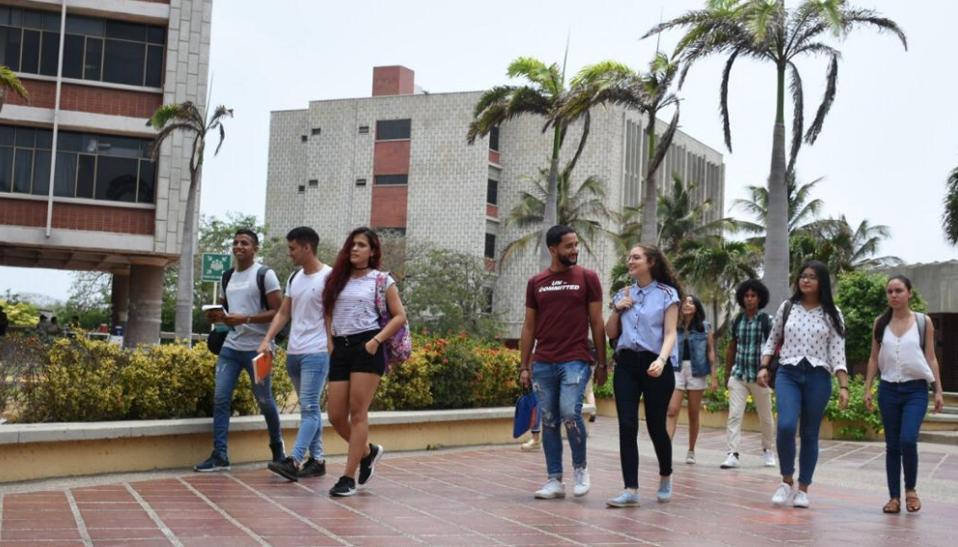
[800,499]
[582,482]
[730,462]
[783,494]
[530,445]
[552,489]
[627,498]
[770,460]
[690,458]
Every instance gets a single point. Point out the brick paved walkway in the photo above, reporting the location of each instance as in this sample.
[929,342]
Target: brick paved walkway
[483,497]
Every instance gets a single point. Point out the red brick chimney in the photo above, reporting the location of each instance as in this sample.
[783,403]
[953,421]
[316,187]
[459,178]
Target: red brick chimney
[393,80]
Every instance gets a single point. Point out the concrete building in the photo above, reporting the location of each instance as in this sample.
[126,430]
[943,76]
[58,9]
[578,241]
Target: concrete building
[78,187]
[399,160]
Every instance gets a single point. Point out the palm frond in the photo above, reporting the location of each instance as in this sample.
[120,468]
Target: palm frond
[662,148]
[723,100]
[798,114]
[950,216]
[9,80]
[827,100]
[863,17]
[165,133]
[519,244]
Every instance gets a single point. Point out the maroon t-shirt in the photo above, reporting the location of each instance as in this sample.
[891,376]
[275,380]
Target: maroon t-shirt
[561,301]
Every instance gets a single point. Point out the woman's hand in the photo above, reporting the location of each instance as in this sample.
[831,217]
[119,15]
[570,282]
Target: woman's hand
[762,378]
[655,369]
[868,399]
[843,398]
[713,384]
[624,304]
[939,401]
[372,345]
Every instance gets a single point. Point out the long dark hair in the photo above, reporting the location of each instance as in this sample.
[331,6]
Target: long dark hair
[698,318]
[660,268]
[824,293]
[343,268]
[885,317]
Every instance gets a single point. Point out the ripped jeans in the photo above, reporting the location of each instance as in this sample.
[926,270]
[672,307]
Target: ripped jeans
[230,364]
[559,388]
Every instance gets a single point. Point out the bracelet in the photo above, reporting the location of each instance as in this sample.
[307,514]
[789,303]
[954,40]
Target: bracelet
[377,340]
[843,387]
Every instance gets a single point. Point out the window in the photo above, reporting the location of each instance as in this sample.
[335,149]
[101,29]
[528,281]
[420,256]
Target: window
[492,192]
[303,138]
[490,246]
[360,182]
[316,131]
[387,130]
[313,183]
[301,189]
[102,167]
[494,139]
[363,129]
[391,179]
[94,48]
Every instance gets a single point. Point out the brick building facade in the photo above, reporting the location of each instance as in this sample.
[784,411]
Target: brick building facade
[399,160]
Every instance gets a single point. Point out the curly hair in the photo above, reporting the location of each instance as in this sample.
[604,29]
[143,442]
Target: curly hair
[755,286]
[660,267]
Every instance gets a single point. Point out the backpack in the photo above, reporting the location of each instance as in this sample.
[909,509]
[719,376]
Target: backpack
[398,347]
[217,337]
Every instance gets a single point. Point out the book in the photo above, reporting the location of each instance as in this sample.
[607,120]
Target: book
[262,366]
[212,307]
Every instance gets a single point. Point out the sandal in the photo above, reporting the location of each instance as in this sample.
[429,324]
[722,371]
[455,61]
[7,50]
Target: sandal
[893,506]
[912,503]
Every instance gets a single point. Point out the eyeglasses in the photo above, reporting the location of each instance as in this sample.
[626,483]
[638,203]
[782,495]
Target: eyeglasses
[808,277]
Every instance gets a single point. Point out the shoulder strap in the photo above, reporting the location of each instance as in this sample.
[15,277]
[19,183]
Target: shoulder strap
[921,320]
[261,283]
[766,324]
[292,276]
[224,281]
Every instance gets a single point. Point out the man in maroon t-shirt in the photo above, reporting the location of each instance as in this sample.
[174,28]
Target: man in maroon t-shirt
[562,302]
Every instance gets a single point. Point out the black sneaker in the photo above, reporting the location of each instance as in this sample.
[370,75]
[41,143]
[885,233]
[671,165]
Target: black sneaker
[286,468]
[312,468]
[367,465]
[346,486]
[279,454]
[213,463]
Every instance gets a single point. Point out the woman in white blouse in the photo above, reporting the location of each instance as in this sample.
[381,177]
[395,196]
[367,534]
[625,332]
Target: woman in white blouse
[809,333]
[907,367]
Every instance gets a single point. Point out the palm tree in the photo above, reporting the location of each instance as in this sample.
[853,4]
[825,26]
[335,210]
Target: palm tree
[649,93]
[581,208]
[543,95]
[802,210]
[767,30]
[188,119]
[9,81]
[846,249]
[714,266]
[680,220]
[951,208]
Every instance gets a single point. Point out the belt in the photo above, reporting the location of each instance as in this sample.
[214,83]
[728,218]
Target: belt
[353,339]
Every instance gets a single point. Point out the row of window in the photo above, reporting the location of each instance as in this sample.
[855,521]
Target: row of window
[94,49]
[88,165]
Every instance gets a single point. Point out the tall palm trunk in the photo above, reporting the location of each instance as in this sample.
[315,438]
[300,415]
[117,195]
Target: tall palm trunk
[650,197]
[776,221]
[184,278]
[550,216]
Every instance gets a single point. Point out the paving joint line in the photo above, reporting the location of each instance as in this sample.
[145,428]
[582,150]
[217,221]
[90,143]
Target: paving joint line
[229,518]
[938,465]
[289,511]
[153,516]
[840,456]
[81,525]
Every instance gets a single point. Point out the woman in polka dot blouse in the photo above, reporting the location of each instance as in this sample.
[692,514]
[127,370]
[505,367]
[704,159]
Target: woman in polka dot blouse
[809,333]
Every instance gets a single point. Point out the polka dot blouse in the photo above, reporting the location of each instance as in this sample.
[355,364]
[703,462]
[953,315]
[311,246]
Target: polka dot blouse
[809,334]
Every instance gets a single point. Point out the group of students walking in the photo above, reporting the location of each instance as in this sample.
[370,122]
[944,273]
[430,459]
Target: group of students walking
[336,333]
[664,351]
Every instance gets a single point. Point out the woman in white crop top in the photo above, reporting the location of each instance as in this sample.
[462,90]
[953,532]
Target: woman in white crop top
[907,367]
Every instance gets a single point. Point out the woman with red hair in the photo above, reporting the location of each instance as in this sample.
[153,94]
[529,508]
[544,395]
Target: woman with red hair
[357,359]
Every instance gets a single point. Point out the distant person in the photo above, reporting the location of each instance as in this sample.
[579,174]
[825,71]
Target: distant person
[743,355]
[903,350]
[810,331]
[249,310]
[643,320]
[307,353]
[563,302]
[53,327]
[696,371]
[4,322]
[358,359]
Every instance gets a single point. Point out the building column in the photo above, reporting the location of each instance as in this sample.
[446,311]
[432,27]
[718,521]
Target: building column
[146,305]
[119,299]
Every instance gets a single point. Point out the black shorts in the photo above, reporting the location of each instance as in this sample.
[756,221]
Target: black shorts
[350,355]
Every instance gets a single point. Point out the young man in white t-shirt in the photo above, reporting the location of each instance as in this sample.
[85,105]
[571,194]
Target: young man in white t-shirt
[250,311]
[307,355]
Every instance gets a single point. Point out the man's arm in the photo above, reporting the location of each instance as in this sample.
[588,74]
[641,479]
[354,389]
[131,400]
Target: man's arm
[526,339]
[279,321]
[598,340]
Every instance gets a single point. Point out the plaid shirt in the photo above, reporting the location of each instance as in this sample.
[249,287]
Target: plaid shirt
[749,339]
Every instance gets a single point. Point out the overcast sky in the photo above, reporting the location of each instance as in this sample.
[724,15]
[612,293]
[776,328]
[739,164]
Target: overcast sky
[885,151]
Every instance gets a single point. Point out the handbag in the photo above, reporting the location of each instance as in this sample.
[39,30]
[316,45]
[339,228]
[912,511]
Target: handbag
[397,347]
[216,338]
[525,416]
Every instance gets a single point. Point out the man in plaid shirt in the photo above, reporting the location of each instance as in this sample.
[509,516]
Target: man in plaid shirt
[750,329]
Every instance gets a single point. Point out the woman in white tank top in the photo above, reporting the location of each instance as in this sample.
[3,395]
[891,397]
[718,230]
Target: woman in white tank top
[907,367]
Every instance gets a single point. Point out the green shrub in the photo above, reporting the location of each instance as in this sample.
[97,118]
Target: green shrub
[855,422]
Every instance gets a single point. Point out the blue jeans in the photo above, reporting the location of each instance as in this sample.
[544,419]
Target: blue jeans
[228,368]
[308,372]
[903,408]
[802,392]
[559,388]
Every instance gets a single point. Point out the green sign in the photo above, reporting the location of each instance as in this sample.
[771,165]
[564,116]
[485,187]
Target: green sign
[214,264]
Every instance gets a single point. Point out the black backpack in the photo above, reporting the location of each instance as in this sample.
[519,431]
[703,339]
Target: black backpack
[216,338]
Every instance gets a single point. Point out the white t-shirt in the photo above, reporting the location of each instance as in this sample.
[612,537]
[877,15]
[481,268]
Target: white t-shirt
[242,297]
[355,309]
[307,331]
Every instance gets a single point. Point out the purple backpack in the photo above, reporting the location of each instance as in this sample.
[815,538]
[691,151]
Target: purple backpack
[398,347]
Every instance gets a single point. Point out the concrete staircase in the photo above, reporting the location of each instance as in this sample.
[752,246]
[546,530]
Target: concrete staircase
[941,428]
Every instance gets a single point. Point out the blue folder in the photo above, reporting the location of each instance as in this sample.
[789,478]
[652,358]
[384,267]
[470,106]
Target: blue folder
[525,416]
